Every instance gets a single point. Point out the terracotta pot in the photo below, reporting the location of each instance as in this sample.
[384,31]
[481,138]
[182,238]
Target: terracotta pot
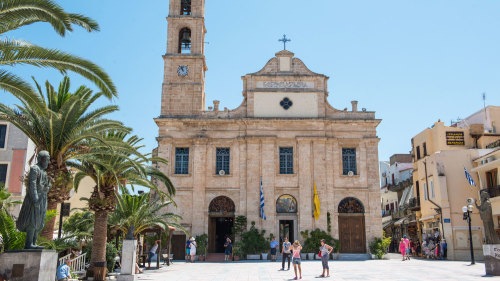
[236,258]
[201,258]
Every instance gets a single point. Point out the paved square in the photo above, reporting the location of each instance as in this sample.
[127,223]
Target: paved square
[340,270]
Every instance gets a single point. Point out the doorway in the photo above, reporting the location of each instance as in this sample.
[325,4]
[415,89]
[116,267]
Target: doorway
[178,246]
[352,226]
[219,229]
[286,230]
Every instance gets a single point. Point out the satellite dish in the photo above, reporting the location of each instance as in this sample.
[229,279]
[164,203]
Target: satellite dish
[350,173]
[222,172]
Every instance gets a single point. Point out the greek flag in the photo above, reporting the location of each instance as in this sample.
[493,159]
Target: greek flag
[469,177]
[262,215]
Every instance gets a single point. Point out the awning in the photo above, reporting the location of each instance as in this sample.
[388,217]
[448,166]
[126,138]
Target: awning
[400,221]
[427,218]
[385,225]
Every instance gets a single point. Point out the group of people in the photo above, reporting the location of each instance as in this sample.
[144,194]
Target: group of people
[191,249]
[405,247]
[434,248]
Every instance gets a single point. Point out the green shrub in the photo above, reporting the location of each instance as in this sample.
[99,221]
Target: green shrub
[202,241]
[111,253]
[239,226]
[254,241]
[312,241]
[379,246]
[238,249]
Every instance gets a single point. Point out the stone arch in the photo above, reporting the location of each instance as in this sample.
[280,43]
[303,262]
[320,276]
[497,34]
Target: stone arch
[184,41]
[221,205]
[286,203]
[351,205]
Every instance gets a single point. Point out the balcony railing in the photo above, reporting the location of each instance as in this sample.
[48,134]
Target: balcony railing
[414,203]
[494,191]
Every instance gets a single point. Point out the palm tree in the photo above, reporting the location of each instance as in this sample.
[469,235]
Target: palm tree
[15,14]
[59,122]
[110,169]
[142,212]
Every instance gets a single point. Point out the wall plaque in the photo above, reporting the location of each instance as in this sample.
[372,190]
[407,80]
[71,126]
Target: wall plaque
[285,85]
[455,138]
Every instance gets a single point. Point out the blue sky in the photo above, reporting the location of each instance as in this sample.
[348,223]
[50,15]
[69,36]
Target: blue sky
[413,62]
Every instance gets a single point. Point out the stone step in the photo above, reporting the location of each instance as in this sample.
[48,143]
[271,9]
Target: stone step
[215,257]
[354,257]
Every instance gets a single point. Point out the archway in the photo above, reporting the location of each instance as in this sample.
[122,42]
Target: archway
[221,218]
[286,212]
[352,226]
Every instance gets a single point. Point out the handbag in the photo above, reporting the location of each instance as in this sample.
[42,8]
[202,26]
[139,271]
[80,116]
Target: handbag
[319,253]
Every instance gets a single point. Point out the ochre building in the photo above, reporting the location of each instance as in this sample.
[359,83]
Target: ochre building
[284,136]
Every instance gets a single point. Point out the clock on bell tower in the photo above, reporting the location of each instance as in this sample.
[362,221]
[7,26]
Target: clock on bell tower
[183,89]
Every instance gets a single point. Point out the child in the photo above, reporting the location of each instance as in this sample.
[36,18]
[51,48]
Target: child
[296,247]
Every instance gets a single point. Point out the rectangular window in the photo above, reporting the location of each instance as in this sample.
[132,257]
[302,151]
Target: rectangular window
[426,196]
[181,160]
[432,190]
[349,161]
[286,160]
[3,135]
[222,156]
[425,149]
[418,152]
[3,173]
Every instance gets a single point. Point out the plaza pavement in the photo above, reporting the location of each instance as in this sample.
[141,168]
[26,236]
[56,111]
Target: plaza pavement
[380,270]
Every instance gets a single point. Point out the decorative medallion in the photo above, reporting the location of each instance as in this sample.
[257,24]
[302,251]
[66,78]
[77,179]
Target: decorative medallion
[286,103]
[221,204]
[286,204]
[351,205]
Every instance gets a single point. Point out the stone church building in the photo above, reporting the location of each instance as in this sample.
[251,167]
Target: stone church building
[284,135]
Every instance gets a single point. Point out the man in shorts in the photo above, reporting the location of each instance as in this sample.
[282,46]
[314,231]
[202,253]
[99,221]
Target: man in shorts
[188,248]
[274,248]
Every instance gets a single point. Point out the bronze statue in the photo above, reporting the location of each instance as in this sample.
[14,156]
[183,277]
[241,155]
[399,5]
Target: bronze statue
[32,216]
[487,218]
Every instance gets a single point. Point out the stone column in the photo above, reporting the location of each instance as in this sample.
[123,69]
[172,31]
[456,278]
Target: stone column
[128,260]
[199,212]
[253,180]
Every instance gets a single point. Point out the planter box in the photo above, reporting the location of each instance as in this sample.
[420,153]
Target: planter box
[310,256]
[264,256]
[236,258]
[253,257]
[334,256]
[303,256]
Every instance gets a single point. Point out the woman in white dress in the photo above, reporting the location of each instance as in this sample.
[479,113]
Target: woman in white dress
[192,250]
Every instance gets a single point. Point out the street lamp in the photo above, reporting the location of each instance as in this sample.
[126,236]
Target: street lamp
[467,211]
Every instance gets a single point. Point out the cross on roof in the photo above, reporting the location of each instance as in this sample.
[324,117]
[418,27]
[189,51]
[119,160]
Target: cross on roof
[284,40]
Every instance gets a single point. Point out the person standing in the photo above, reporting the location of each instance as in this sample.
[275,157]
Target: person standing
[62,272]
[192,250]
[325,251]
[228,247]
[188,248]
[407,244]
[274,248]
[285,253]
[152,252]
[296,248]
[402,248]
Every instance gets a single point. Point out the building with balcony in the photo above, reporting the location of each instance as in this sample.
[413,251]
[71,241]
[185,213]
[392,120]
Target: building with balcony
[440,154]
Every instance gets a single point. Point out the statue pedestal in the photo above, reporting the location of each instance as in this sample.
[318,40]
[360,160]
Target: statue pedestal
[128,259]
[492,259]
[28,265]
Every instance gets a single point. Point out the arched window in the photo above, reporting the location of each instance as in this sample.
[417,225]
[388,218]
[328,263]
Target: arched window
[286,204]
[185,7]
[221,204]
[351,205]
[185,41]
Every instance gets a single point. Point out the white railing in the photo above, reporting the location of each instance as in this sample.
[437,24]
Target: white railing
[62,259]
[78,263]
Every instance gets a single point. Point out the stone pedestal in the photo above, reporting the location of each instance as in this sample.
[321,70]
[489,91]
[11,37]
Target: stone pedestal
[28,265]
[128,260]
[492,259]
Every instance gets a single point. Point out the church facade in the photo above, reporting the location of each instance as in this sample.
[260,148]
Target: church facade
[284,137]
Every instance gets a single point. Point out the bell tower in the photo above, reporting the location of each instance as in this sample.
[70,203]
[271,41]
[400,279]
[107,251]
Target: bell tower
[183,89]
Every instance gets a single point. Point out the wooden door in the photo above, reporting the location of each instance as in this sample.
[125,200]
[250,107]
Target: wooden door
[352,234]
[178,246]
[211,234]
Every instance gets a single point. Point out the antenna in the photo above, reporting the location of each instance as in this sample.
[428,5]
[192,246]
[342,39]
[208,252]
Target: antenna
[484,100]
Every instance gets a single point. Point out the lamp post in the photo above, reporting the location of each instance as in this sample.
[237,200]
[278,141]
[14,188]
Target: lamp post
[467,211]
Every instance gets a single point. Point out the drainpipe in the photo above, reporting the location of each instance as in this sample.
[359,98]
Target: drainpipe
[440,210]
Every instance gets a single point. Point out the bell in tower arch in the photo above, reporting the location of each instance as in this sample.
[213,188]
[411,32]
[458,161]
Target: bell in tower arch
[185,7]
[185,41]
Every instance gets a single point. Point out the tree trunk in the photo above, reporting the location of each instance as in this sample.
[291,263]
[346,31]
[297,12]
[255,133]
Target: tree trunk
[48,230]
[99,237]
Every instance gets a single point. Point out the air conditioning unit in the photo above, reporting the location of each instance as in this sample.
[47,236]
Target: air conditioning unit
[222,172]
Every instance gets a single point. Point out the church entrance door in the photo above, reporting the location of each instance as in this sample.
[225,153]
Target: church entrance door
[286,230]
[220,224]
[351,226]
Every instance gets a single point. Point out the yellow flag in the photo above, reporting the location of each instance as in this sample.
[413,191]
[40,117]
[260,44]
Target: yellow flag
[316,203]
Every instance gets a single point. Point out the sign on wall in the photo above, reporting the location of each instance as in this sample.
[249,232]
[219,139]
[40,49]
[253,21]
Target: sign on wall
[455,138]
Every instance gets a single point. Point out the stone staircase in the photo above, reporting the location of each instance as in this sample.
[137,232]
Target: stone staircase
[354,257]
[215,257]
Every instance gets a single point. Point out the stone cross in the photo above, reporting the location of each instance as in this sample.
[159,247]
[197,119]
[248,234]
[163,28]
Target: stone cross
[284,40]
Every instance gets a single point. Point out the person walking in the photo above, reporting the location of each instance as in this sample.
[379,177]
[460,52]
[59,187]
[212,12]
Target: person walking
[62,272]
[188,248]
[285,253]
[407,244]
[296,248]
[274,248]
[192,250]
[228,247]
[152,252]
[325,251]
[402,248]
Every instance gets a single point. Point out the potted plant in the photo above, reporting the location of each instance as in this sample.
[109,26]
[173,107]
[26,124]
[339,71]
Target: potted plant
[313,242]
[303,253]
[379,246]
[238,250]
[201,250]
[254,242]
[268,246]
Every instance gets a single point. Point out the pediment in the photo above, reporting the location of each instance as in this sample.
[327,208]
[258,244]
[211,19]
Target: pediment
[275,66]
